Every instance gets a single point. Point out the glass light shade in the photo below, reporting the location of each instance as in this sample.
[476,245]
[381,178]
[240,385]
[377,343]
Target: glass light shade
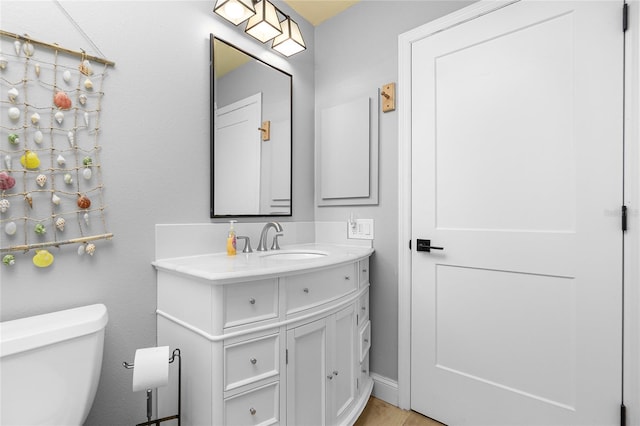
[235,11]
[290,41]
[264,25]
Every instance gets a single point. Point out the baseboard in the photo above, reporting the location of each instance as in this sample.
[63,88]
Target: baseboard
[385,389]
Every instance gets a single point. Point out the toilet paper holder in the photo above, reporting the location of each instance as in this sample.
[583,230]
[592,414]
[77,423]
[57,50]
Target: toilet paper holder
[175,354]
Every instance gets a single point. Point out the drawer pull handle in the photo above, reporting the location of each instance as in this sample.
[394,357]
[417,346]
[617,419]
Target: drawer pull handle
[364,371]
[252,411]
[335,373]
[252,301]
[347,277]
[253,361]
[330,377]
[306,290]
[366,340]
[364,270]
[364,308]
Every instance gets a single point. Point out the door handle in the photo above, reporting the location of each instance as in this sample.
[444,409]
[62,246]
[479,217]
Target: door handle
[425,245]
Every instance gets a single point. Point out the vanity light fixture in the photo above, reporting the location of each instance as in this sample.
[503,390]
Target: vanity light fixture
[235,11]
[290,41]
[264,25]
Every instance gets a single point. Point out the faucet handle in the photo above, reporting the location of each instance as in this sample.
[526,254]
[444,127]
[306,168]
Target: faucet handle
[247,243]
[276,245]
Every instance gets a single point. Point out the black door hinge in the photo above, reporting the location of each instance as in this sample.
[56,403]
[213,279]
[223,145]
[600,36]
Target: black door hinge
[624,218]
[286,356]
[409,244]
[625,17]
[623,415]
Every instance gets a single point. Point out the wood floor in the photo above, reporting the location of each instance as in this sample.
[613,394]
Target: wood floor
[380,413]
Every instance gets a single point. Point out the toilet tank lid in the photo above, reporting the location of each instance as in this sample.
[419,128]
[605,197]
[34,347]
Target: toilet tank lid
[33,332]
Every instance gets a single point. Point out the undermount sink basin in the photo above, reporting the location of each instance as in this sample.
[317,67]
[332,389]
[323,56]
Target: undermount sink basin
[294,254]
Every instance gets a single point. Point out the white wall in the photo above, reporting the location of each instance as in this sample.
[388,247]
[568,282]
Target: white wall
[357,52]
[155,159]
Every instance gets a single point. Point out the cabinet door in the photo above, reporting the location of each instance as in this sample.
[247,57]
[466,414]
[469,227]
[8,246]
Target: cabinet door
[307,374]
[341,390]
[322,369]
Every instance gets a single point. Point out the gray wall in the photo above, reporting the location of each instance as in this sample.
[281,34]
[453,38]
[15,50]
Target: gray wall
[356,52]
[155,158]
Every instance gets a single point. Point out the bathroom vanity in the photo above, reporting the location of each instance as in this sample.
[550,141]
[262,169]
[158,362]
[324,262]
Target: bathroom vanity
[276,337]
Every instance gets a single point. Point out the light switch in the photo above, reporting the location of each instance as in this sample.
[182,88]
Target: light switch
[362,231]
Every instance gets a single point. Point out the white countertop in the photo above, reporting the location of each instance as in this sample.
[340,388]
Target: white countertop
[222,269]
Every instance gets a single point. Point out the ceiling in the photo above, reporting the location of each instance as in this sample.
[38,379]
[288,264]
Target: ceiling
[318,11]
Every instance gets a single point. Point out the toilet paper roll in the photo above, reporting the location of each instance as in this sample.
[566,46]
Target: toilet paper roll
[151,368]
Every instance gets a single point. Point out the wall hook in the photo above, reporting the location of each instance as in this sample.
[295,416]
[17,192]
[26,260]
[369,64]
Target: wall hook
[266,130]
[388,93]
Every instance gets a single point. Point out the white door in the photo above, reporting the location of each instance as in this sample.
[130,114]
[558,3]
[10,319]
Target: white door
[236,157]
[517,174]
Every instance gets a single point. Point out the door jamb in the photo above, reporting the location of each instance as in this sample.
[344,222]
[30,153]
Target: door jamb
[631,271]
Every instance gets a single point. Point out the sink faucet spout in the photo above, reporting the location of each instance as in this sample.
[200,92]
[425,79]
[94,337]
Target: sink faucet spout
[262,245]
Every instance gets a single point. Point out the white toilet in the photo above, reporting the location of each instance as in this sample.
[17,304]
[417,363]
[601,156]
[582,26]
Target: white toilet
[50,366]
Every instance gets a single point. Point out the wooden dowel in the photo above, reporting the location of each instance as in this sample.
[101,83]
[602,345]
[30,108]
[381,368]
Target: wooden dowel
[59,48]
[26,247]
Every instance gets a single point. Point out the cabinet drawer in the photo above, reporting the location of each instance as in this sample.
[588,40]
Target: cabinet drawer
[250,302]
[307,290]
[363,271]
[250,361]
[363,308]
[257,407]
[365,340]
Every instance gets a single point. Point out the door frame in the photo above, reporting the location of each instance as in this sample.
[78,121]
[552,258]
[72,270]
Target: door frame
[631,271]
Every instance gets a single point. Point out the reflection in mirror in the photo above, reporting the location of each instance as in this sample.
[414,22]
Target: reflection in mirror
[250,135]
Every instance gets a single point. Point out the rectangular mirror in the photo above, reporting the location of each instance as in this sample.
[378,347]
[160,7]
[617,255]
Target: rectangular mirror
[250,135]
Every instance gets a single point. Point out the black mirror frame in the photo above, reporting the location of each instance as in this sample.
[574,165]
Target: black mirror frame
[212,130]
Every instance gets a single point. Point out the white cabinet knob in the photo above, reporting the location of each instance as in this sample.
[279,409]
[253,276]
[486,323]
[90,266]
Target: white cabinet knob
[252,411]
[253,361]
[252,301]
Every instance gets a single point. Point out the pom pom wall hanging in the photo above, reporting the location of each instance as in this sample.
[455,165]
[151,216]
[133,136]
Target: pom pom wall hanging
[51,179]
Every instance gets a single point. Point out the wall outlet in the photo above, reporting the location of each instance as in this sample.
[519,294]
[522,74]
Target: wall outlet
[360,229]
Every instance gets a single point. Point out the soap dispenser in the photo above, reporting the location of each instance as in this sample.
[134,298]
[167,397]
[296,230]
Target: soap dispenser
[231,239]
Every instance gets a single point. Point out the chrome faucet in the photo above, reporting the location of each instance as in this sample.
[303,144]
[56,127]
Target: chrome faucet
[262,245]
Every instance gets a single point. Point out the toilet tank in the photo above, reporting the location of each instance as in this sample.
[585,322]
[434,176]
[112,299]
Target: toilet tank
[50,366]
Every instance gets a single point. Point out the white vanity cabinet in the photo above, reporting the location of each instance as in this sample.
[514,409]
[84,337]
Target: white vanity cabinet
[283,347]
